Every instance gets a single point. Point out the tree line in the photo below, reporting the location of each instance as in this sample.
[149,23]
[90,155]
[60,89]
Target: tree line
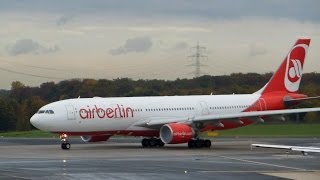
[19,103]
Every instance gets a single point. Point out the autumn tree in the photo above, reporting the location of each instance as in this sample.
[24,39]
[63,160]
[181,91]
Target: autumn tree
[27,109]
[7,115]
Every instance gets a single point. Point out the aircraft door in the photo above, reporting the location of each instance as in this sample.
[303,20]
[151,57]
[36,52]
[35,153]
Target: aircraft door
[204,108]
[70,112]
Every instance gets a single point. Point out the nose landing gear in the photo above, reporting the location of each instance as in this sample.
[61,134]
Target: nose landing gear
[65,145]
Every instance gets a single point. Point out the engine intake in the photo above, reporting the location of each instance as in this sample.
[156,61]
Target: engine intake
[88,139]
[176,133]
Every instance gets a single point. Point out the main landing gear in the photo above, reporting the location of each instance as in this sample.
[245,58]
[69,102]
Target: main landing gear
[152,142]
[64,142]
[199,143]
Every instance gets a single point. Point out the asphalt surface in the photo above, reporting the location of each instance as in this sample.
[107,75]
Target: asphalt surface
[124,158]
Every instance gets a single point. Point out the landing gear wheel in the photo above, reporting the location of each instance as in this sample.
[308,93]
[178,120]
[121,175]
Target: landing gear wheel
[152,142]
[65,146]
[192,144]
[160,143]
[199,143]
[207,143]
[145,142]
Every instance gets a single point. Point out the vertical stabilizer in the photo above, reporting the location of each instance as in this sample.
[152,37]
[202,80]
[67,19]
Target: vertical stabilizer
[288,76]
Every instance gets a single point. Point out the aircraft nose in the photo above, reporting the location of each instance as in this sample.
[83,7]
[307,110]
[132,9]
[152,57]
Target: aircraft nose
[41,122]
[34,120]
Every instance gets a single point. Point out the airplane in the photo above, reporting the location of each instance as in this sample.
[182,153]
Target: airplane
[303,149]
[177,119]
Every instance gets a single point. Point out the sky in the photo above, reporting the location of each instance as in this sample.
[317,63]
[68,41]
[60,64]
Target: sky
[45,40]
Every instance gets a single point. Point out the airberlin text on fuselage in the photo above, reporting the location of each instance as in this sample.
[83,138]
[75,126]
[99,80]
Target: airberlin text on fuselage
[111,112]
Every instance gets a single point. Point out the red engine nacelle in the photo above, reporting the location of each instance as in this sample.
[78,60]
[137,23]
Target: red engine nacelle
[88,139]
[176,133]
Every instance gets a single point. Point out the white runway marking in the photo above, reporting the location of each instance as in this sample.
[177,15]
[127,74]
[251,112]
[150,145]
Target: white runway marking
[261,163]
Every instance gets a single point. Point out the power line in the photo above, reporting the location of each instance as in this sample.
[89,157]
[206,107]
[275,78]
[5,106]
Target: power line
[28,74]
[197,56]
[31,66]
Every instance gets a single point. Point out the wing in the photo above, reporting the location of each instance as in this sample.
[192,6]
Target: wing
[216,118]
[292,148]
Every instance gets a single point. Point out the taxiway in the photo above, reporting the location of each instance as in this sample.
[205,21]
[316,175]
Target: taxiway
[124,158]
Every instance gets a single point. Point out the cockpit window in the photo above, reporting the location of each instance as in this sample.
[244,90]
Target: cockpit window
[41,111]
[46,111]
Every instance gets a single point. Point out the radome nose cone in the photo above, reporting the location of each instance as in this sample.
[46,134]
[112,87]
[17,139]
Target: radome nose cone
[33,121]
[38,122]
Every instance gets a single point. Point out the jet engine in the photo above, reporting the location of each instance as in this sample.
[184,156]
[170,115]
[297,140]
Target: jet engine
[88,139]
[176,133]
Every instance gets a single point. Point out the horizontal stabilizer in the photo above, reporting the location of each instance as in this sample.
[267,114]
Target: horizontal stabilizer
[301,99]
[292,148]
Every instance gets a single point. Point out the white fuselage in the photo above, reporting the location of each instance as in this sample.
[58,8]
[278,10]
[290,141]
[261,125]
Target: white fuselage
[121,114]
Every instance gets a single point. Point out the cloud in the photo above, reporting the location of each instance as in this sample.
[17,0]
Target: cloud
[256,49]
[137,44]
[212,9]
[63,20]
[180,46]
[171,47]
[27,46]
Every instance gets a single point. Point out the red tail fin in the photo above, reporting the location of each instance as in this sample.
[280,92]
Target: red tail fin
[287,78]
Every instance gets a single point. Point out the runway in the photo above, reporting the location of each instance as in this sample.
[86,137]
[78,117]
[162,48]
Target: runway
[124,158]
